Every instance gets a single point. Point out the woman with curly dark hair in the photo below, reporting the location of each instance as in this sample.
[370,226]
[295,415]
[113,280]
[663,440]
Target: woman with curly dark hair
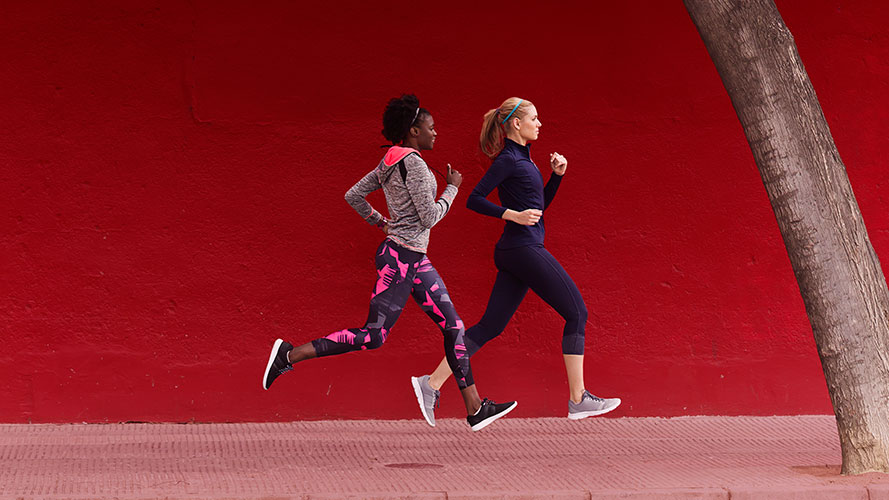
[403,269]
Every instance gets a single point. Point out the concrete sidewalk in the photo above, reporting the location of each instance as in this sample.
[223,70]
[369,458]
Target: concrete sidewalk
[629,458]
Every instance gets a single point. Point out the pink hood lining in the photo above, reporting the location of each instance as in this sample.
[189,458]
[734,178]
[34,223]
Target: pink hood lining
[396,154]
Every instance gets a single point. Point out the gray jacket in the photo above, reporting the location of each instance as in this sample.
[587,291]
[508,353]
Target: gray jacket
[409,187]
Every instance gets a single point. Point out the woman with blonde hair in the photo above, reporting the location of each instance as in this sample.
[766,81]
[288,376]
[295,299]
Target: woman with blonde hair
[521,259]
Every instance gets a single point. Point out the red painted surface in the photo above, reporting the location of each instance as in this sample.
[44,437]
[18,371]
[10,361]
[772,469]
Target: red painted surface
[701,458]
[171,182]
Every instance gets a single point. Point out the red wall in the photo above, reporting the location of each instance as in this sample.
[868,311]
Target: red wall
[171,183]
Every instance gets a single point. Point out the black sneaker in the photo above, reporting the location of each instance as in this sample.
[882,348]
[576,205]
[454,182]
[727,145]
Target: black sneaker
[278,363]
[489,412]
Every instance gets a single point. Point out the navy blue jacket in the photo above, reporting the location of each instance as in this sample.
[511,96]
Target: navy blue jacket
[519,185]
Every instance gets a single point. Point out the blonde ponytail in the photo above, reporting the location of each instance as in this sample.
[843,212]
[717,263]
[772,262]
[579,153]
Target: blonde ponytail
[491,140]
[493,134]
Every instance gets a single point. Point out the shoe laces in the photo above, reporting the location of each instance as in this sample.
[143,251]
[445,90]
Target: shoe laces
[592,396]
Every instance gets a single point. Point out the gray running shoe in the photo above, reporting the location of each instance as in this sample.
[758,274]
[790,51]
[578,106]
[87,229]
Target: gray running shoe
[590,406]
[427,397]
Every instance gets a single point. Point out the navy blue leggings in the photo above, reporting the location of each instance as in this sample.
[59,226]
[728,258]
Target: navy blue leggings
[519,269]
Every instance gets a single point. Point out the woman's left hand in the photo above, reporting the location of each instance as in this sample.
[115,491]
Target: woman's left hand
[558,163]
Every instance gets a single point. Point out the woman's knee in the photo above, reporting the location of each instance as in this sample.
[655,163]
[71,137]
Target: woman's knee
[582,313]
[376,337]
[577,314]
[454,328]
[573,336]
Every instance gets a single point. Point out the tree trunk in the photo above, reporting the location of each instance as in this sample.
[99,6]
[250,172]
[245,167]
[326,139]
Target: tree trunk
[838,272]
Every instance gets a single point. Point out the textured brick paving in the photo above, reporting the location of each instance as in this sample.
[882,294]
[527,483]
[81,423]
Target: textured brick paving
[693,457]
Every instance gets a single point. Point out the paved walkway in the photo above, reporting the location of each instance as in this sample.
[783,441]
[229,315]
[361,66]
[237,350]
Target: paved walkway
[627,458]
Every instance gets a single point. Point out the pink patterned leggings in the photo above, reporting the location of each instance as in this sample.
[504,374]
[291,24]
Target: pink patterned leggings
[402,272]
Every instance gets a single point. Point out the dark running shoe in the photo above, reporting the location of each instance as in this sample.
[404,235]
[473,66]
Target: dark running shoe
[278,363]
[489,412]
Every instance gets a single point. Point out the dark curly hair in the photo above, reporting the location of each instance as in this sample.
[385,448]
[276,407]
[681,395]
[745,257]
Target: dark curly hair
[400,115]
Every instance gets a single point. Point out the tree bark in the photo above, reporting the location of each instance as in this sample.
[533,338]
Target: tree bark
[838,272]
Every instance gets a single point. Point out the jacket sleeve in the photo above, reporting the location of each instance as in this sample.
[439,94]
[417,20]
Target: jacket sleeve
[478,198]
[549,191]
[356,195]
[423,195]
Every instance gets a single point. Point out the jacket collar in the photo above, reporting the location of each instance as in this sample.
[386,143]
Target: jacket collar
[524,151]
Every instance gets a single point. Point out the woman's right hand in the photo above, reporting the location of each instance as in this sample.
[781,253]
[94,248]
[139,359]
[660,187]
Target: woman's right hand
[527,217]
[454,178]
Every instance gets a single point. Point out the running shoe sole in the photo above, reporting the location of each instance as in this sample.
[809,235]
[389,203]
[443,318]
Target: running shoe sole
[585,414]
[265,376]
[415,381]
[486,422]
